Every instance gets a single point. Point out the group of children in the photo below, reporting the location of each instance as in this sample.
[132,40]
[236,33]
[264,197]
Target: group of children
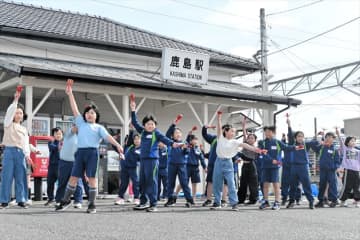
[151,159]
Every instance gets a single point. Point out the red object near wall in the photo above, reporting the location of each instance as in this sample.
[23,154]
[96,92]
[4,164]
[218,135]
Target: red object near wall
[41,161]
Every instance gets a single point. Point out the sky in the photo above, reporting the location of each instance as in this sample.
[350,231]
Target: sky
[233,26]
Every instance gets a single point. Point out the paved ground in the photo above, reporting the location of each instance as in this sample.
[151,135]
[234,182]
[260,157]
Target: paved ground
[114,222]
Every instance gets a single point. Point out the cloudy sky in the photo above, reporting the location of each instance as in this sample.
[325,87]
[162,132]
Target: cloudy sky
[233,26]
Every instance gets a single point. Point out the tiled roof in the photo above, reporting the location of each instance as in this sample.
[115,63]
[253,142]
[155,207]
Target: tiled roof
[74,26]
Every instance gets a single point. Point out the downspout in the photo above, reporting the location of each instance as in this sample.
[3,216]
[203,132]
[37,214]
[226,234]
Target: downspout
[280,111]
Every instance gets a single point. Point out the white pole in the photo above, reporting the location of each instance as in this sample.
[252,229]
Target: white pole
[29,107]
[125,113]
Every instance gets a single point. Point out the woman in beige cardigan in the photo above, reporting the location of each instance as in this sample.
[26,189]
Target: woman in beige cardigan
[16,153]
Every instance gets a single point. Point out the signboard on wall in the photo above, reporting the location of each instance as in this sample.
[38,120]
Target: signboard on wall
[184,66]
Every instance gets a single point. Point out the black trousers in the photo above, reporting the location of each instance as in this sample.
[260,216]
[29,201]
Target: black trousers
[248,180]
[351,184]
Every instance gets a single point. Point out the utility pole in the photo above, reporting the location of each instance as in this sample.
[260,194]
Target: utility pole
[267,115]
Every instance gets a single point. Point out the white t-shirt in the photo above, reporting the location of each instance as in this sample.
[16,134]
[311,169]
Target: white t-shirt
[227,148]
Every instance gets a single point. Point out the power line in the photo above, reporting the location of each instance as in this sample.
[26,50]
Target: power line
[307,32]
[290,60]
[248,18]
[174,17]
[316,36]
[226,27]
[293,9]
[214,10]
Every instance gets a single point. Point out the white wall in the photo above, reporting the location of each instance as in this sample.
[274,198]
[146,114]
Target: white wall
[351,127]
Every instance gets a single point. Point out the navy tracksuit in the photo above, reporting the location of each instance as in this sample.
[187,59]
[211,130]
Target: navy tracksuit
[129,171]
[286,173]
[329,161]
[212,140]
[163,172]
[269,171]
[299,170]
[52,177]
[64,173]
[195,156]
[177,167]
[149,161]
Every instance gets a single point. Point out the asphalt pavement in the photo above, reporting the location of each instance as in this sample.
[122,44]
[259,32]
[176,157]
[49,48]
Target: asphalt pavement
[121,222]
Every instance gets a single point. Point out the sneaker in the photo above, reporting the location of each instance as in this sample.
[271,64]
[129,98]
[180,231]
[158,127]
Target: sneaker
[333,204]
[276,206]
[152,209]
[12,203]
[235,207]
[326,202]
[190,203]
[63,206]
[223,203]
[29,202]
[91,208]
[142,206]
[283,202]
[49,203]
[343,204]
[291,204]
[4,206]
[136,201]
[119,201]
[57,204]
[130,199]
[207,203]
[77,205]
[311,205]
[298,202]
[264,204]
[320,204]
[170,203]
[215,206]
[357,204]
[23,205]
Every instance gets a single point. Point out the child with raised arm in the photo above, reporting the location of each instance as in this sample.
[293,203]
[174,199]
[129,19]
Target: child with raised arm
[299,166]
[90,133]
[271,163]
[351,169]
[149,157]
[177,166]
[329,163]
[227,148]
[210,139]
[16,154]
[195,156]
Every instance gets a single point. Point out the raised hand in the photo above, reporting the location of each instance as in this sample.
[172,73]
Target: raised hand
[132,102]
[69,84]
[178,119]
